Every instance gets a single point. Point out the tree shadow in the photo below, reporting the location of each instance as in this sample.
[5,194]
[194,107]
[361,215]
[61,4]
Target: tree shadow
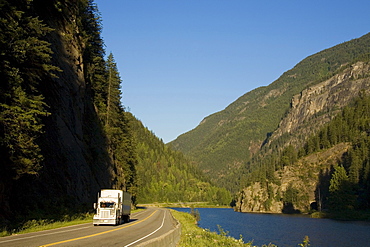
[288,208]
[322,189]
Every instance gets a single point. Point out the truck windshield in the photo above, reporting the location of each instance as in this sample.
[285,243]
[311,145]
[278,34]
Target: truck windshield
[107,204]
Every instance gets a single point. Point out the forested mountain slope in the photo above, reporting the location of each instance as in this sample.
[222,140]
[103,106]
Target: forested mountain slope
[329,171]
[299,144]
[165,175]
[227,140]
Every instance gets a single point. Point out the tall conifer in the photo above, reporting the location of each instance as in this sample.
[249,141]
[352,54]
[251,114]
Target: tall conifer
[24,62]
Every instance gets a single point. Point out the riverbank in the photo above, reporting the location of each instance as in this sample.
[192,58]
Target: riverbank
[283,229]
[343,215]
[349,215]
[182,205]
[192,235]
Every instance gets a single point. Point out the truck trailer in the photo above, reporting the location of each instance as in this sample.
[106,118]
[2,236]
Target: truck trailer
[113,207]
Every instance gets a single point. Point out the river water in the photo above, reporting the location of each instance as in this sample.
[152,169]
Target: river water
[284,230]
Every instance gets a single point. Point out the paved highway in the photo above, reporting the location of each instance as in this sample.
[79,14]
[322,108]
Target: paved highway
[144,225]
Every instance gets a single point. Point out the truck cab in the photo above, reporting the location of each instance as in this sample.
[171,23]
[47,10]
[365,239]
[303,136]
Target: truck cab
[113,207]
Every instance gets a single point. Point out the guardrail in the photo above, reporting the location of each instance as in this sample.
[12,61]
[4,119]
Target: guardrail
[169,239]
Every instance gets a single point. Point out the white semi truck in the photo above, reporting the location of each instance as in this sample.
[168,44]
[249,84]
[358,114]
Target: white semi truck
[113,207]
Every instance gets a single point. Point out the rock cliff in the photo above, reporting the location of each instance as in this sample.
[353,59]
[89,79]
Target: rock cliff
[76,164]
[319,103]
[310,110]
[303,180]
[74,142]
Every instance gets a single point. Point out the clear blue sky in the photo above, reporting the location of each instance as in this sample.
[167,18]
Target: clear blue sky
[182,60]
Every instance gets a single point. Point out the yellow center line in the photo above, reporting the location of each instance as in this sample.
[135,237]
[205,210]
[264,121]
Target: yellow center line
[100,233]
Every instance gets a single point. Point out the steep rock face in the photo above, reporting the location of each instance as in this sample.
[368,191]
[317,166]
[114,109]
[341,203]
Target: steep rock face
[319,103]
[255,198]
[80,143]
[310,110]
[304,180]
[73,126]
[76,164]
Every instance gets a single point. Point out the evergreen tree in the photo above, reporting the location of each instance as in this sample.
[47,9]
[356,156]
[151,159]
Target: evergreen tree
[341,190]
[118,130]
[164,175]
[289,156]
[105,82]
[24,62]
[93,53]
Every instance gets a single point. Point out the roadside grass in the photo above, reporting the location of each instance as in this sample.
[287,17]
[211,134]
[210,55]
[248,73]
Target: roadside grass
[192,235]
[36,225]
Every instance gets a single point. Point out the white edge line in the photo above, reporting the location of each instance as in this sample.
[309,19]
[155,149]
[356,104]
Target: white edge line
[149,233]
[40,235]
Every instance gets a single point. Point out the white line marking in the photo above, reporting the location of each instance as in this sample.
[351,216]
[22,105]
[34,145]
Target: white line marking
[39,235]
[164,217]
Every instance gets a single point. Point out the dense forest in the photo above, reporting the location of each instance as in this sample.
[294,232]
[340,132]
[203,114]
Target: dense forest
[165,175]
[65,133]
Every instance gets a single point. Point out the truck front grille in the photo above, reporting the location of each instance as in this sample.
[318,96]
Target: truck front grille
[104,213]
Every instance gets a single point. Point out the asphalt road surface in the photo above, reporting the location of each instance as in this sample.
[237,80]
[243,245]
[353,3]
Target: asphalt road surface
[144,225]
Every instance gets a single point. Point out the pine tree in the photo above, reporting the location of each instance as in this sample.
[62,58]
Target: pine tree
[341,190]
[118,130]
[24,62]
[93,53]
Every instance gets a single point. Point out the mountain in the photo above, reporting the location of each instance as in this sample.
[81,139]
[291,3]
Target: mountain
[165,175]
[330,170]
[299,144]
[225,144]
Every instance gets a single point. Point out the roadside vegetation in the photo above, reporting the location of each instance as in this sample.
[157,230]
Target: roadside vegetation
[192,235]
[35,225]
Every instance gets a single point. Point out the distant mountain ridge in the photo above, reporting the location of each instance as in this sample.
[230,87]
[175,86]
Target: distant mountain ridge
[227,140]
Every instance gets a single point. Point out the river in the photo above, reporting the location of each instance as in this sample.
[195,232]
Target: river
[284,230]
